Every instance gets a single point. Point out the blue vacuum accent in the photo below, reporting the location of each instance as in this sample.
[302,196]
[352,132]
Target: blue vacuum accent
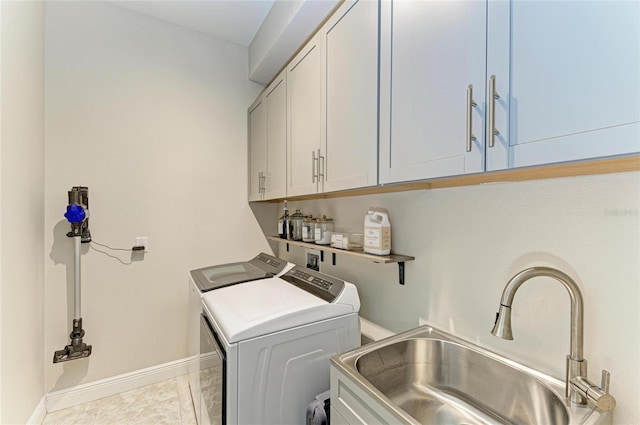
[75,213]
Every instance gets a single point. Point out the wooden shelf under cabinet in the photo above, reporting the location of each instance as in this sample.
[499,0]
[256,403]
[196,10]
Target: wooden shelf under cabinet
[382,259]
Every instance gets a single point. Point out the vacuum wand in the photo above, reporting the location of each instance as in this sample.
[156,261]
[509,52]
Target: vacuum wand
[78,215]
[76,276]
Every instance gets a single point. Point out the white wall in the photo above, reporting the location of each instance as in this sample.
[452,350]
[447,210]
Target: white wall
[152,118]
[21,209]
[469,241]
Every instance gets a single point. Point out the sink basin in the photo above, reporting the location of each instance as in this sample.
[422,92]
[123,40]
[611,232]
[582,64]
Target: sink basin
[426,376]
[431,378]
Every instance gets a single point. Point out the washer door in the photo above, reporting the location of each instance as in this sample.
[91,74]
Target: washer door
[223,275]
[213,376]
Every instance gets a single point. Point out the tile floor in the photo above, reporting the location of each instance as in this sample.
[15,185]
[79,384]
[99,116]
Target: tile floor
[164,403]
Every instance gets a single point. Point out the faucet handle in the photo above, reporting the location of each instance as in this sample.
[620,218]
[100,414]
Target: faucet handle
[605,381]
[600,396]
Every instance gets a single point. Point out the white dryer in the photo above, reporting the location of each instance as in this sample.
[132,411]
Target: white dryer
[271,341]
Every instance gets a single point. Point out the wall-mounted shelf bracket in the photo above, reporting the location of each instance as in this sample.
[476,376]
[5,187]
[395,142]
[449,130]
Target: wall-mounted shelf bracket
[382,259]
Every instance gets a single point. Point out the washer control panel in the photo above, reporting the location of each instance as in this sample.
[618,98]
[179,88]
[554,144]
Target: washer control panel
[268,263]
[316,283]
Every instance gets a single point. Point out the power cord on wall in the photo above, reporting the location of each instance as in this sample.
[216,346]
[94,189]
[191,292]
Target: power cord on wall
[111,248]
[126,263]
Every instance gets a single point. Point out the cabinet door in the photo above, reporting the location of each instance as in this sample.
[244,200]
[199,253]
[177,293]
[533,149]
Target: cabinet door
[349,157]
[257,148]
[568,77]
[354,405]
[336,418]
[304,94]
[275,183]
[431,51]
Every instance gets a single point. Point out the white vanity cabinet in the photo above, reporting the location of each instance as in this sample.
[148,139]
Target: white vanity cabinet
[433,56]
[567,74]
[353,405]
[268,142]
[349,154]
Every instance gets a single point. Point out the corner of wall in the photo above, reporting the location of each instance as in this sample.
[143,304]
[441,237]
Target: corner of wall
[21,209]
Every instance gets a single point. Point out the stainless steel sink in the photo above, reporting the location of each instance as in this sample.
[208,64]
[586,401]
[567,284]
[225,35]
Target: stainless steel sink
[425,376]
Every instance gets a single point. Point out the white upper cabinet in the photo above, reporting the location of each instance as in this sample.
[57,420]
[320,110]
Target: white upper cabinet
[268,142]
[304,87]
[275,182]
[555,81]
[257,148]
[333,104]
[568,79]
[403,90]
[349,155]
[432,52]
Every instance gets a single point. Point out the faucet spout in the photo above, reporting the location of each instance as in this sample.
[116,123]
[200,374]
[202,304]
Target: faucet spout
[578,388]
[502,328]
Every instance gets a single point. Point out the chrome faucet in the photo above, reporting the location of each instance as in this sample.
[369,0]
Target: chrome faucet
[578,388]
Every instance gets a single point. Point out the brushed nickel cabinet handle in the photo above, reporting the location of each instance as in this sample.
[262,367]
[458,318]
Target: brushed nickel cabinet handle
[314,167]
[320,167]
[493,132]
[470,105]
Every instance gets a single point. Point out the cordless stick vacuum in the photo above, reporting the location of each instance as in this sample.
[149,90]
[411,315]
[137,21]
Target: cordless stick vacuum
[78,215]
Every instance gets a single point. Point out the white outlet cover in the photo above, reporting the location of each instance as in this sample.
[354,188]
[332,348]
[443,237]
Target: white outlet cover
[143,241]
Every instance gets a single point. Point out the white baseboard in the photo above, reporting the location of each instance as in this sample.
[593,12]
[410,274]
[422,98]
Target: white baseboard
[39,413]
[110,386]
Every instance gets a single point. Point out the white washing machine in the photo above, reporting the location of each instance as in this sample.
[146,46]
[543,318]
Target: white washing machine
[270,342]
[206,279]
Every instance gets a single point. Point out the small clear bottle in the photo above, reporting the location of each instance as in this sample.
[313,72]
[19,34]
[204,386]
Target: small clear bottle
[308,229]
[323,230]
[296,219]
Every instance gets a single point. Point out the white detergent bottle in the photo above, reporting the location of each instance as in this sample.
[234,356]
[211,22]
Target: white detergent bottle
[377,231]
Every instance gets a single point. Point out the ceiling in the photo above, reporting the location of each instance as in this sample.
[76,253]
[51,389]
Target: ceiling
[236,21]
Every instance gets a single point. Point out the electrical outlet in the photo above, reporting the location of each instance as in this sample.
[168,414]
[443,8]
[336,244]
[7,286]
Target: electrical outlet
[313,259]
[143,241]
